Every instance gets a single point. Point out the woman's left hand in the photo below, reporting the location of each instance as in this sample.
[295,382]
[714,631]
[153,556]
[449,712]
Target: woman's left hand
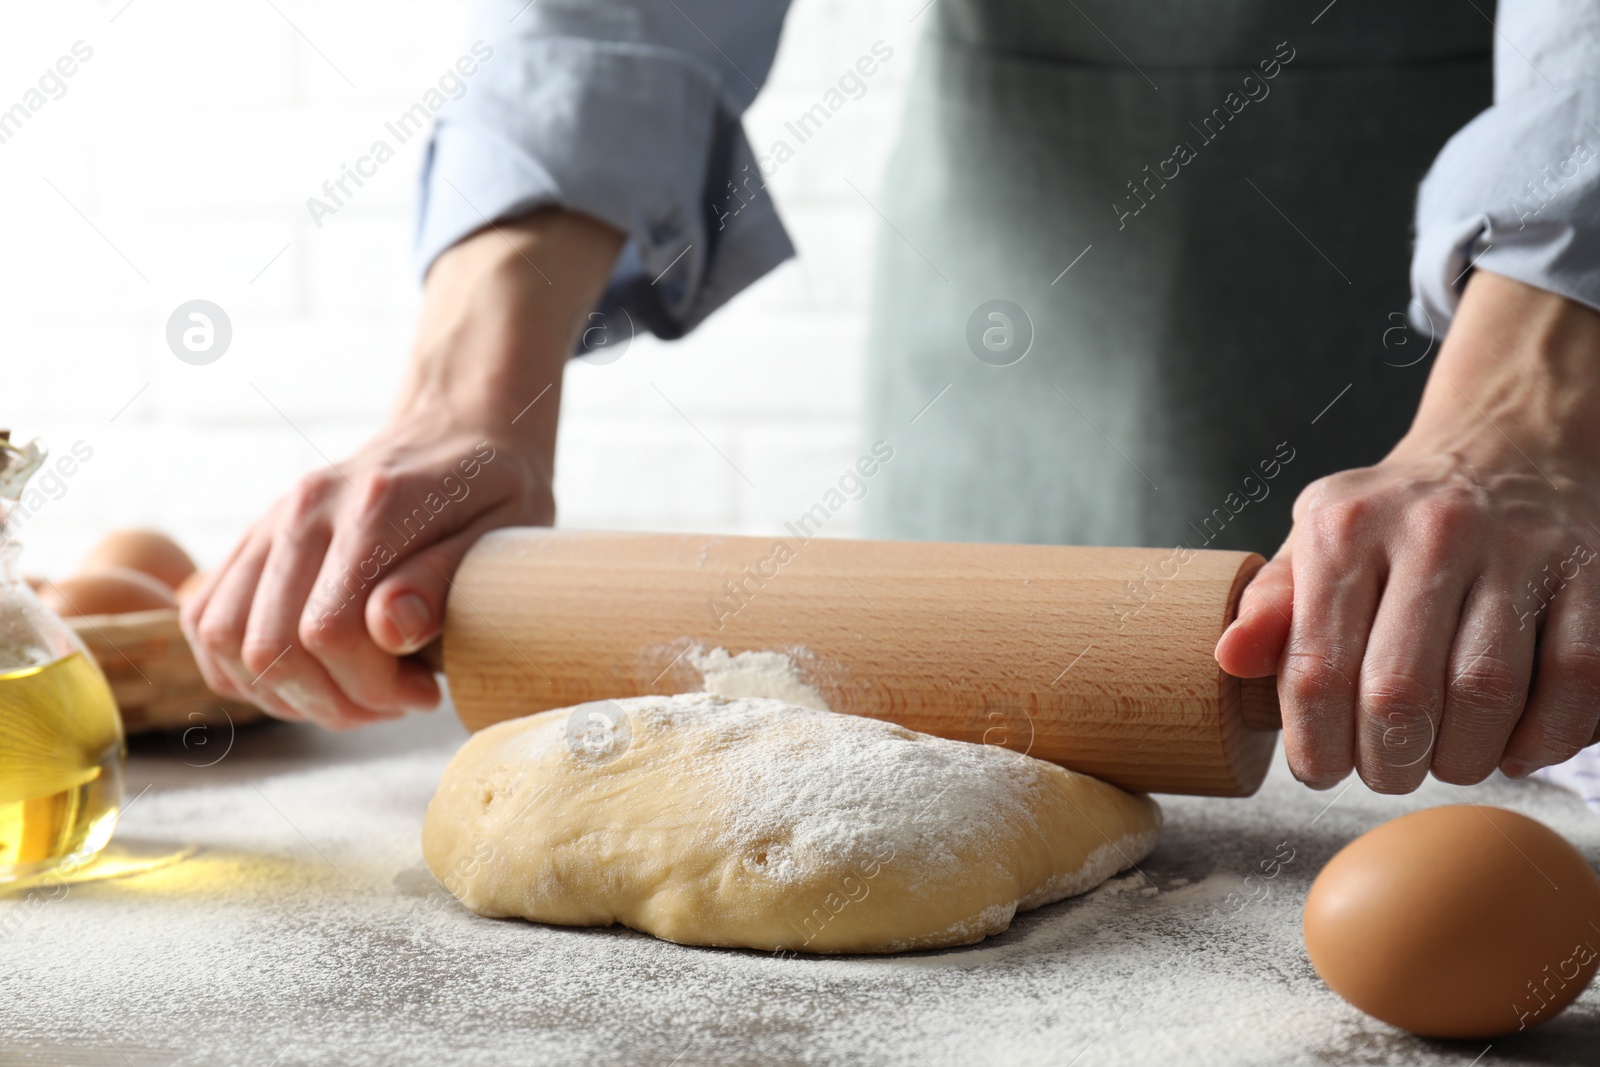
[1441,610]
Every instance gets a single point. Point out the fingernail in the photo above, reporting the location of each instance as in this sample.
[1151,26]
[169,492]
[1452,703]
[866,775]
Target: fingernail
[1515,768]
[409,614]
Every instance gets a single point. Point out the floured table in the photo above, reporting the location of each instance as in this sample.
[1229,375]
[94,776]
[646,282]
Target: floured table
[305,930]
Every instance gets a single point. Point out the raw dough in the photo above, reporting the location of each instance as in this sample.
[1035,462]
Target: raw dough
[759,824]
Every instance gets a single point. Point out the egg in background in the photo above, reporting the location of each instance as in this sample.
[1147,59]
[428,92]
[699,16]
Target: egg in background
[108,591]
[147,551]
[1461,921]
[189,586]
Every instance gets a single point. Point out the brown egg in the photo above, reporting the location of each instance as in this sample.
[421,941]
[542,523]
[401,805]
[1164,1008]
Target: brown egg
[110,591]
[1460,921]
[149,551]
[187,587]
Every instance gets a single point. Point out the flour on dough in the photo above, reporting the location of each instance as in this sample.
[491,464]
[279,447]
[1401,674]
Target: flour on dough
[759,824]
[773,675]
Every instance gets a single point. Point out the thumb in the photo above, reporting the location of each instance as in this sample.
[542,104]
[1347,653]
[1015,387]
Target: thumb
[406,609]
[1254,644]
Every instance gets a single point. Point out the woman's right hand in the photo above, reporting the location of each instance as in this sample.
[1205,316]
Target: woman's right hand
[312,613]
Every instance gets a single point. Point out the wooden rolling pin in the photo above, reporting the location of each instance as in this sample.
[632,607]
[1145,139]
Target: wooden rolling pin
[1099,659]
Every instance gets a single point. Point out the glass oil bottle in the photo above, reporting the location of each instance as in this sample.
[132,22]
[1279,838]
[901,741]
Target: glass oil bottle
[61,744]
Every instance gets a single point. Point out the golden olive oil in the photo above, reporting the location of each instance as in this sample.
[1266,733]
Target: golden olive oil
[61,754]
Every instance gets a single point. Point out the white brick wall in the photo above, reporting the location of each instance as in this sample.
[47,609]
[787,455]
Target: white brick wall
[191,140]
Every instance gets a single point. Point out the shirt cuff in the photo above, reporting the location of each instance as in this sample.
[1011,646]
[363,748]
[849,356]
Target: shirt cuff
[1516,192]
[633,135]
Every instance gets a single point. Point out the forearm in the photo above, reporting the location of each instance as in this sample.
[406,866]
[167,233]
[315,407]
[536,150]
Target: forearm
[500,312]
[1519,372]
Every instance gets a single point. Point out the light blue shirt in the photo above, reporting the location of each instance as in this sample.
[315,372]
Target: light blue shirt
[624,110]
[629,111]
[1517,191]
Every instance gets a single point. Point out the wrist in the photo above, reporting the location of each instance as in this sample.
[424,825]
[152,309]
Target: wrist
[1517,379]
[500,312]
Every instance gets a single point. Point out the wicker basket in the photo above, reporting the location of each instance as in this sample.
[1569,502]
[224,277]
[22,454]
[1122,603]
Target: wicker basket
[153,674]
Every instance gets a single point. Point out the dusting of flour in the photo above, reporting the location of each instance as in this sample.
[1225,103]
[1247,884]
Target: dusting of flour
[308,932]
[817,791]
[774,675]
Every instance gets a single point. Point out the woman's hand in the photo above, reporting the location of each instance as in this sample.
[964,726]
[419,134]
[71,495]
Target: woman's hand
[1441,610]
[310,614]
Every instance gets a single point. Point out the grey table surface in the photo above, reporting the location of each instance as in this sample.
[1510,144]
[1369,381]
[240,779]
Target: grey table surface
[305,930]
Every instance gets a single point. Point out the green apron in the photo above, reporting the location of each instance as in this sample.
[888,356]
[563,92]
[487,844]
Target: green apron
[1203,211]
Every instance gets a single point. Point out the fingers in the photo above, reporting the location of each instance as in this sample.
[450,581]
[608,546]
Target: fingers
[271,648]
[286,577]
[1412,644]
[242,622]
[1564,704]
[362,670]
[313,612]
[406,609]
[365,555]
[191,610]
[1486,682]
[1336,585]
[215,620]
[1253,646]
[194,606]
[1402,688]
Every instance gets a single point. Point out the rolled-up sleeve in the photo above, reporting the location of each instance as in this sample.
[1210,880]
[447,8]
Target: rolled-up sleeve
[1517,190]
[626,110]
